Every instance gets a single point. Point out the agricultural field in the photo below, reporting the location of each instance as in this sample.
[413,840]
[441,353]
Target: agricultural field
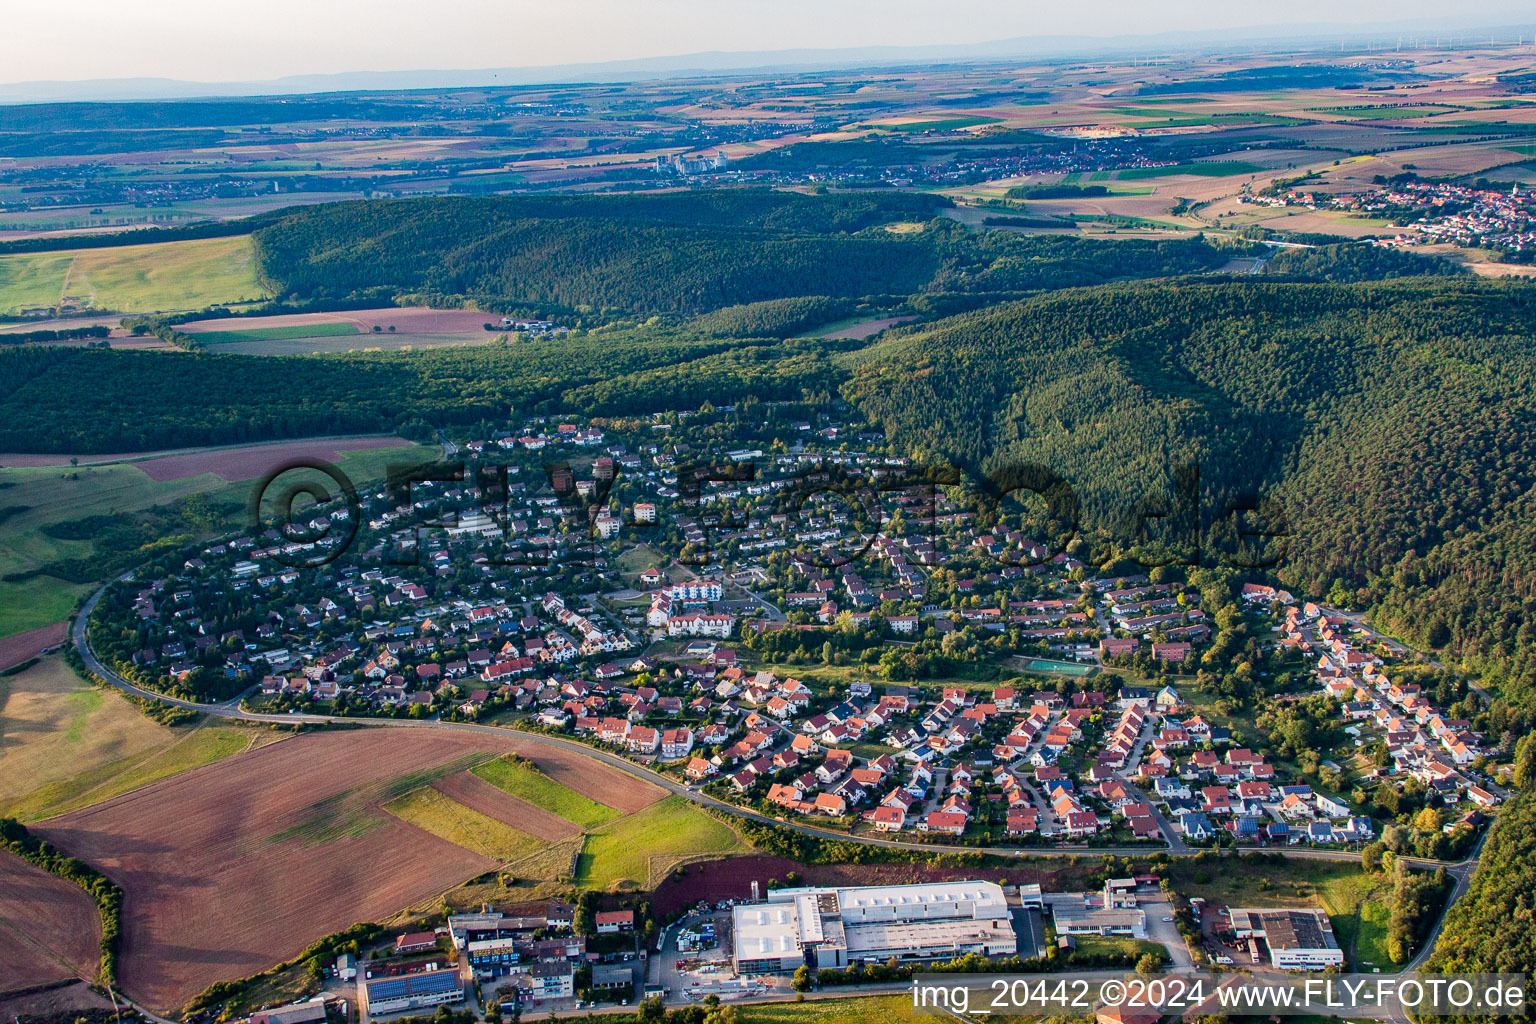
[840,1010]
[316,330]
[1213,169]
[20,647]
[474,793]
[428,809]
[253,461]
[525,782]
[390,328]
[50,929]
[639,850]
[37,499]
[65,745]
[250,859]
[53,726]
[132,278]
[304,836]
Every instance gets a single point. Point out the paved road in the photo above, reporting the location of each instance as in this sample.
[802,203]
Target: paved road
[1463,874]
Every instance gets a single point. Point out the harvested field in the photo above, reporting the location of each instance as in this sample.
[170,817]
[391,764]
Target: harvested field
[595,780]
[53,726]
[49,928]
[254,461]
[18,648]
[249,860]
[358,330]
[478,795]
[448,819]
[526,782]
[408,319]
[865,328]
[61,1002]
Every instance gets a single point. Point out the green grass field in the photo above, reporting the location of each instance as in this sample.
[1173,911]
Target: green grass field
[191,748]
[638,849]
[32,280]
[326,330]
[1371,943]
[526,782]
[938,124]
[633,561]
[1135,948]
[463,826]
[44,496]
[133,278]
[847,1010]
[1205,169]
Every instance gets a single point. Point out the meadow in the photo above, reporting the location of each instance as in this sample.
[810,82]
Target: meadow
[638,850]
[524,781]
[65,744]
[38,498]
[133,278]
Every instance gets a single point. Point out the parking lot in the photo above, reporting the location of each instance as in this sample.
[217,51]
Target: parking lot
[705,968]
[1214,923]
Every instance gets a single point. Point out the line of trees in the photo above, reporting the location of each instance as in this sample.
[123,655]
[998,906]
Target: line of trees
[105,892]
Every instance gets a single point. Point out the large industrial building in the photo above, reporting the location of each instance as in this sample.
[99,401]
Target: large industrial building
[833,927]
[431,987]
[1298,940]
[1112,912]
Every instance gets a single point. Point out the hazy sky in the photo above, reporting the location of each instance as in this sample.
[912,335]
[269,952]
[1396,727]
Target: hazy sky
[224,40]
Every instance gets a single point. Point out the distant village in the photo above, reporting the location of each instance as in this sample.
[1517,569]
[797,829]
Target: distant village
[1431,212]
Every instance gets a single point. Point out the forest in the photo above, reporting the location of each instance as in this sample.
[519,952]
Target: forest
[1490,929]
[691,252]
[1389,423]
[122,400]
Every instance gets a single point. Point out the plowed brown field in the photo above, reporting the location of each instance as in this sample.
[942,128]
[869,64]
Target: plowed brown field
[236,866]
[595,780]
[478,795]
[49,928]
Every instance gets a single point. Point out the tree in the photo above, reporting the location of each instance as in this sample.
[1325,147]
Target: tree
[1150,963]
[1525,762]
[801,982]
